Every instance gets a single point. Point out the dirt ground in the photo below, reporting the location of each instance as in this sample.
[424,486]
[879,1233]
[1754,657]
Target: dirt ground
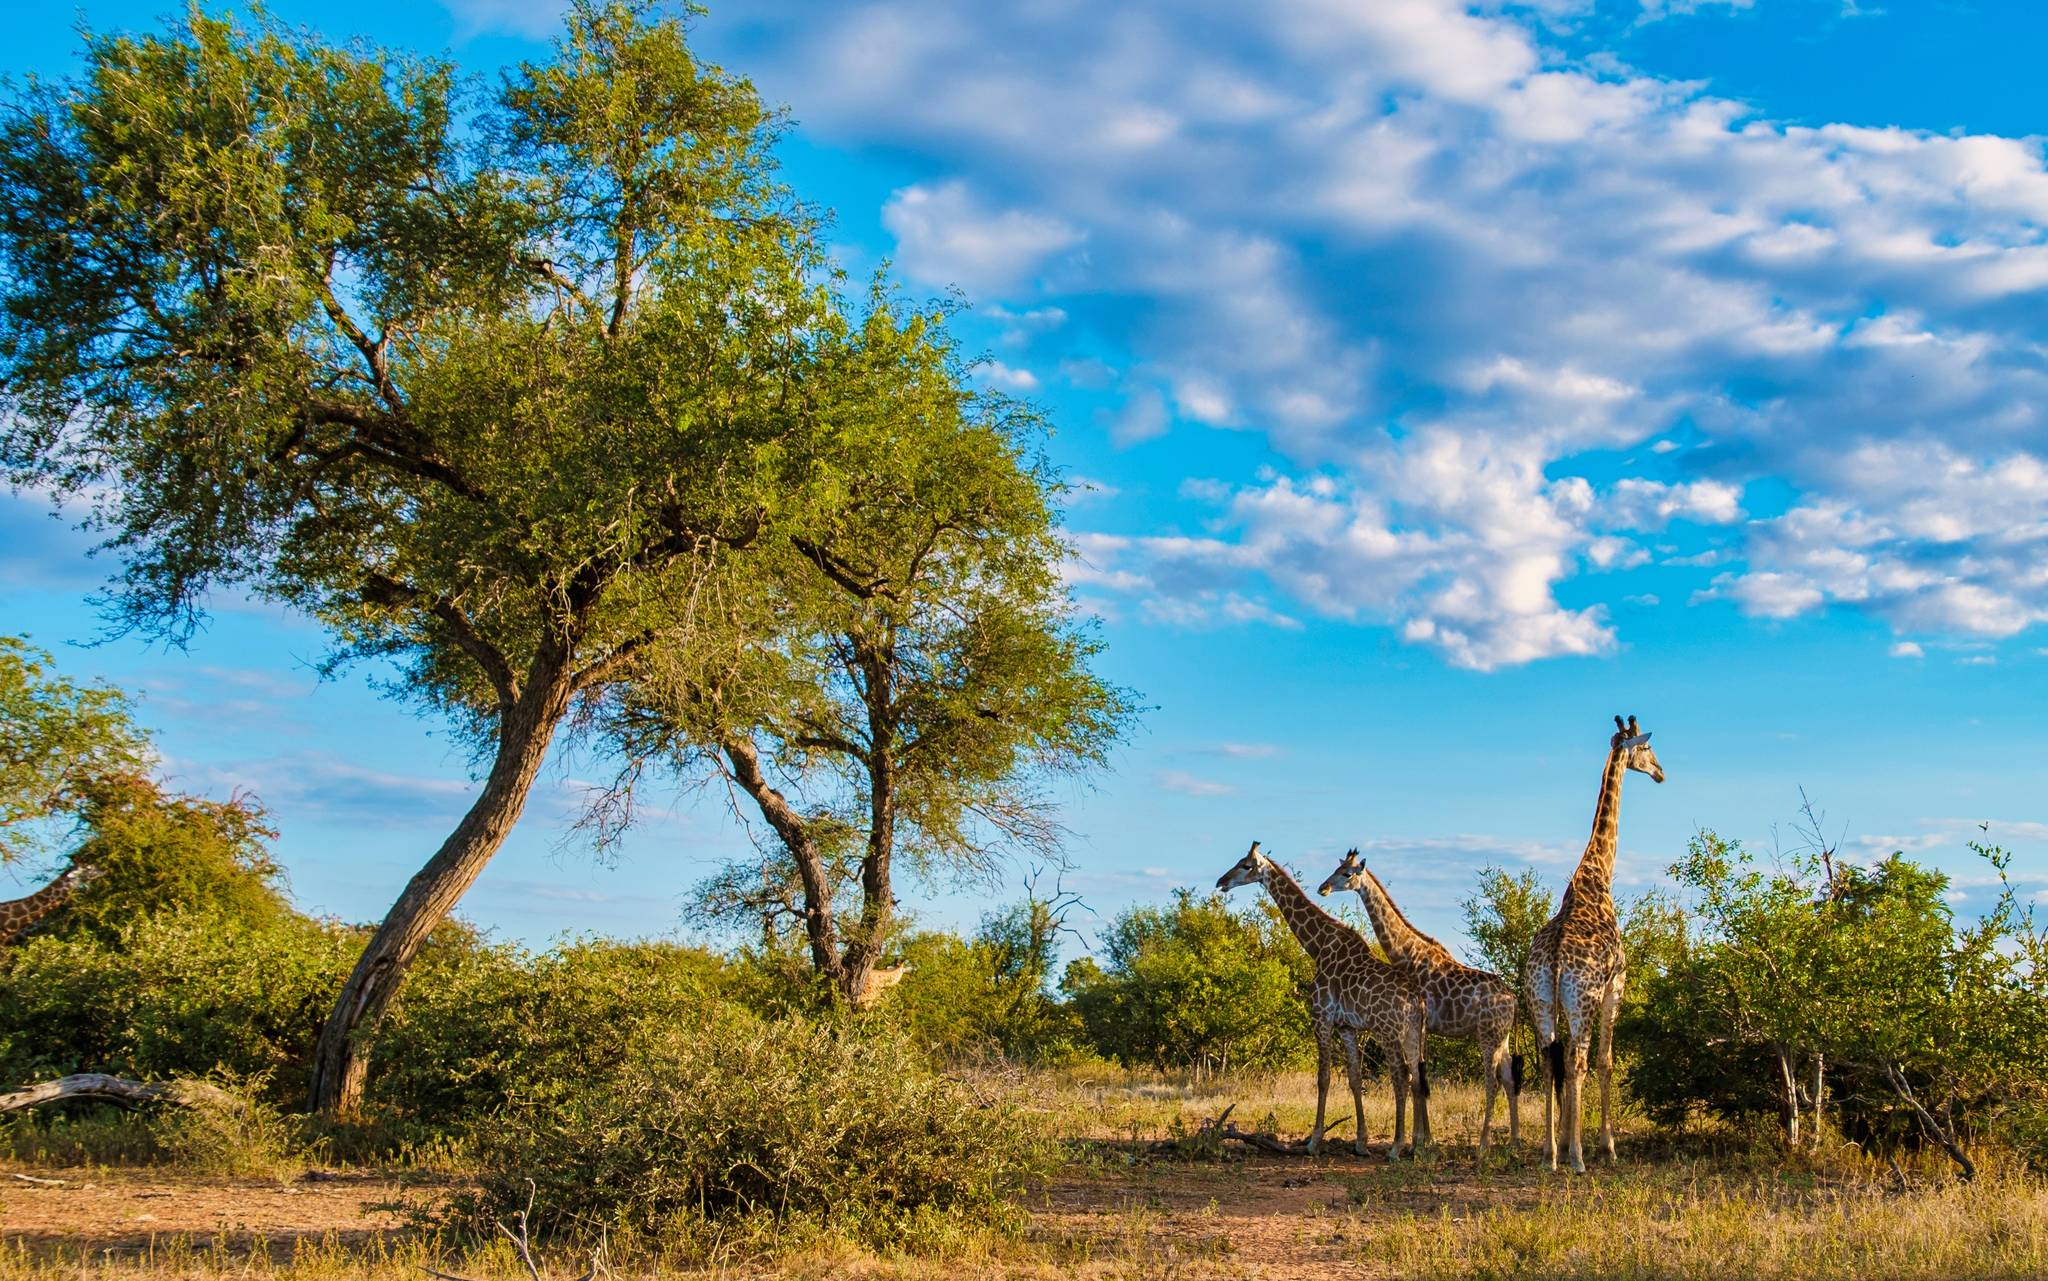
[95,1211]
[1258,1216]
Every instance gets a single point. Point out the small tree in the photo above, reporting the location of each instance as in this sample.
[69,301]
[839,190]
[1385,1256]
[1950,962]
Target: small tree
[161,853]
[486,386]
[59,741]
[909,676]
[1824,972]
[1502,918]
[1196,985]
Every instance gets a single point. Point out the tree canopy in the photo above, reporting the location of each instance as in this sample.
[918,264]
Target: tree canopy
[484,382]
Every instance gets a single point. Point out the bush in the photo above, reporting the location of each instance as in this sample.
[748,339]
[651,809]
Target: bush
[158,853]
[973,998]
[730,1127]
[1196,985]
[177,995]
[478,1024]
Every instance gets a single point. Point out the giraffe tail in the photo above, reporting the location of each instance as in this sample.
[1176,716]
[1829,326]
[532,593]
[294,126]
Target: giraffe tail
[1514,1074]
[1421,1079]
[1556,1052]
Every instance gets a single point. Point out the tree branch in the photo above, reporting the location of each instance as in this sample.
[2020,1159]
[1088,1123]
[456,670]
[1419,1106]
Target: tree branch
[843,574]
[382,589]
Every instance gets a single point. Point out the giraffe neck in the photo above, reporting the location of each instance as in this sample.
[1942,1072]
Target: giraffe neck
[18,915]
[1406,946]
[1319,933]
[1596,866]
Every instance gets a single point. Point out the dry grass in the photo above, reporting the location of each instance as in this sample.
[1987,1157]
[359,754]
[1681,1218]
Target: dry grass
[1696,1207]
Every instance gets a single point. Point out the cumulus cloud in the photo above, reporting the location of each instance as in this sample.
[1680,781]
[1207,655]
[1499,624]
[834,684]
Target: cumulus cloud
[947,236]
[1452,276]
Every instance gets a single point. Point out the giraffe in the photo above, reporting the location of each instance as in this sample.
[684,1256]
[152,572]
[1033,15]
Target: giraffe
[1458,1001]
[1576,964]
[18,916]
[1354,992]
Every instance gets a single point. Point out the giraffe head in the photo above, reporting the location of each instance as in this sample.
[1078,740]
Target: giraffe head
[1350,875]
[1634,745]
[1249,870]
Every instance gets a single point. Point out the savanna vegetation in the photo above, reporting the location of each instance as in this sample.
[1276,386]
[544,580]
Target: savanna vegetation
[542,399]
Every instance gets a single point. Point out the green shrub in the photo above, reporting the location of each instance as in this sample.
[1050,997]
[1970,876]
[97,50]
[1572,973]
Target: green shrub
[478,1024]
[159,853]
[986,996]
[1196,985]
[176,995]
[729,1127]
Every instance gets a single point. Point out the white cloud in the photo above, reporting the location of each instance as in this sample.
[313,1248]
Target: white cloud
[1173,780]
[1009,378]
[1241,751]
[1441,268]
[946,236]
[1907,649]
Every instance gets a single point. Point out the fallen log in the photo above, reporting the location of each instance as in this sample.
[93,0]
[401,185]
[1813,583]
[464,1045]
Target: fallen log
[1219,1129]
[103,1088]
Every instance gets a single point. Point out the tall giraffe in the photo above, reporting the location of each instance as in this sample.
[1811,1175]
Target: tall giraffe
[1458,1001]
[1576,964]
[1354,992]
[18,916]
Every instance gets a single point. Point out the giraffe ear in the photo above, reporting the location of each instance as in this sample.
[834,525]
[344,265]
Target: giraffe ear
[1636,741]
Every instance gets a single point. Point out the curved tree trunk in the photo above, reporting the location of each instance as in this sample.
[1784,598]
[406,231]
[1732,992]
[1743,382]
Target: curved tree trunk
[796,838]
[340,1061]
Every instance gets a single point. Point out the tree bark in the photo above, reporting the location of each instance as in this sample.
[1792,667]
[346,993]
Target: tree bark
[1788,1095]
[878,899]
[810,868]
[340,1060]
[1934,1127]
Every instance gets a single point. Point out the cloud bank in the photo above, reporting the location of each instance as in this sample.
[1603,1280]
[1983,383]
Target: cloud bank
[1510,318]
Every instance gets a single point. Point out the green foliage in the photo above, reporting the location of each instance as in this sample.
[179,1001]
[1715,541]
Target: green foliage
[160,853]
[733,1127]
[58,741]
[173,995]
[1195,985]
[907,675]
[1856,976]
[966,998]
[1502,918]
[481,1024]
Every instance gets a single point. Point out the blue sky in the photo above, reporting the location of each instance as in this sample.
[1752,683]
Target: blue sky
[1439,380]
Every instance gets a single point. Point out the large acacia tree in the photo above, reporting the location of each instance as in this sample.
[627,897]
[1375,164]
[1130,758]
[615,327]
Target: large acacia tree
[486,383]
[906,676]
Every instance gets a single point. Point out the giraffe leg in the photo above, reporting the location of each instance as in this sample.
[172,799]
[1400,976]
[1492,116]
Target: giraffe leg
[1493,1068]
[1581,1018]
[1355,1069]
[1422,1135]
[1543,1012]
[1397,1072]
[1323,1051]
[1609,1006]
[1511,1081]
